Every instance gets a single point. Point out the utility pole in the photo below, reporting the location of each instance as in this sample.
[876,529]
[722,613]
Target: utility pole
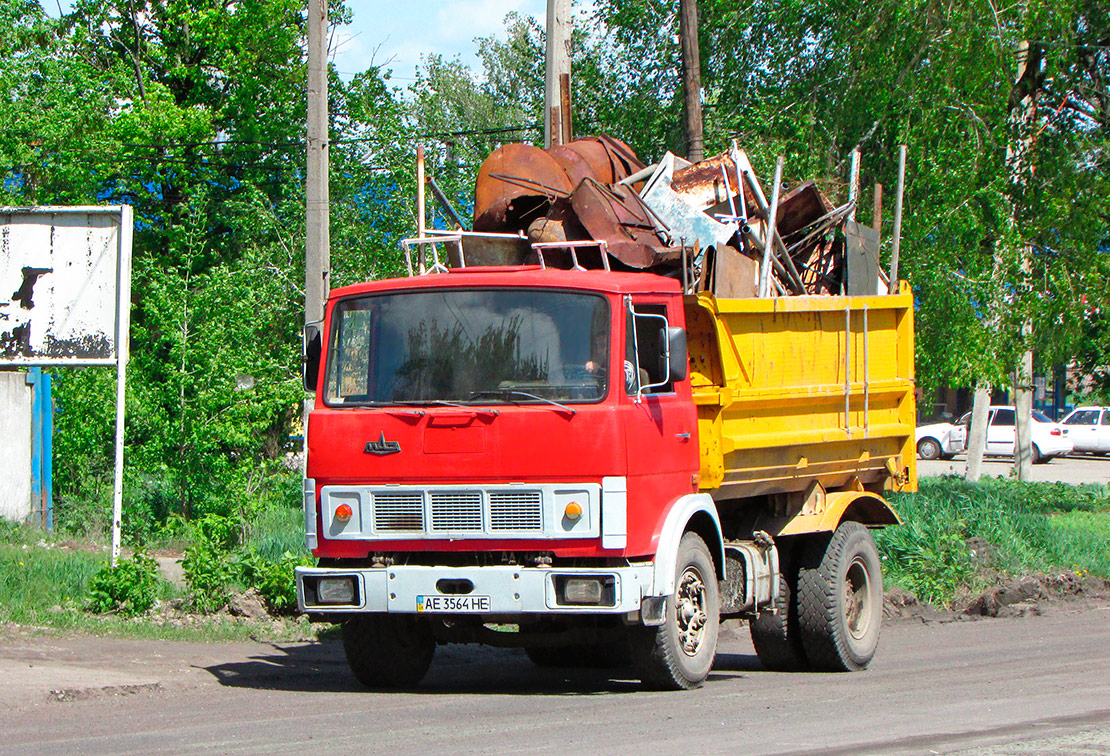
[1019,158]
[691,78]
[317,254]
[556,117]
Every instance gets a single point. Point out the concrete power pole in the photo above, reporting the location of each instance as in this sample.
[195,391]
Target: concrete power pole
[691,78]
[556,112]
[317,254]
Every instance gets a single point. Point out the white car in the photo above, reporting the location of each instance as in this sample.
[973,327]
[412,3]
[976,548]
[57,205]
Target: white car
[943,440]
[935,441]
[1089,429]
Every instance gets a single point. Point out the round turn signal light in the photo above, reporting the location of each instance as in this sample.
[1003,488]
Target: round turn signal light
[573,511]
[343,512]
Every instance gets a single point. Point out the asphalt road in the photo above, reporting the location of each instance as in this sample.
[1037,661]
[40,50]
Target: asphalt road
[996,687]
[1075,469]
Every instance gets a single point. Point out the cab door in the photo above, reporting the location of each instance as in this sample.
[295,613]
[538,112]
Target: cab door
[957,437]
[659,417]
[1083,429]
[1001,432]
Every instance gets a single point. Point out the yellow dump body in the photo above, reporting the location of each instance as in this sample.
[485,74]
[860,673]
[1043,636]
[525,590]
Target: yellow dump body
[793,390]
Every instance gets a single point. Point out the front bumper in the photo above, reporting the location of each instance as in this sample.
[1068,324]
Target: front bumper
[511,590]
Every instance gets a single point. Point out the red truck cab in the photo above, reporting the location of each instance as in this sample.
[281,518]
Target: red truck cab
[498,445]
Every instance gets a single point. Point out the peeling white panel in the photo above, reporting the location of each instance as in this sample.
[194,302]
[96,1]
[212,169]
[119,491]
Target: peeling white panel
[60,270]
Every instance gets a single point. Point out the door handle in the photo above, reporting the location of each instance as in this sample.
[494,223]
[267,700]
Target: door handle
[682,436]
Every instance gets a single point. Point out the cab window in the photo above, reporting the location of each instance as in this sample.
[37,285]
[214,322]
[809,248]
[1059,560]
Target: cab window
[1083,417]
[1003,417]
[646,348]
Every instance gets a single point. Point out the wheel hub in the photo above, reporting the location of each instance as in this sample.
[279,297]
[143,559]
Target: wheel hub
[690,608]
[857,599]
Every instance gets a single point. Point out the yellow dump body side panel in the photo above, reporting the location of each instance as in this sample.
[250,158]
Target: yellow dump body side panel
[792,390]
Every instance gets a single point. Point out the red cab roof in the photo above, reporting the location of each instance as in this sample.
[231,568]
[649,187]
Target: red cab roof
[524,276]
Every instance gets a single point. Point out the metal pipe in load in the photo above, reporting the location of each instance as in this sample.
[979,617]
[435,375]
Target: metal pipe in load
[772,213]
[898,218]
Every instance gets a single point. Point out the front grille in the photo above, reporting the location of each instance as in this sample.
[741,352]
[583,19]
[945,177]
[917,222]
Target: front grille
[456,510]
[515,510]
[405,512]
[399,511]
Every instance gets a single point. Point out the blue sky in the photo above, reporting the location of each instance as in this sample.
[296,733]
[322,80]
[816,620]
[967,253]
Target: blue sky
[400,32]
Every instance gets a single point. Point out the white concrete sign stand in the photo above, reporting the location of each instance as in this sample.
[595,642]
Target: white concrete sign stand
[76,262]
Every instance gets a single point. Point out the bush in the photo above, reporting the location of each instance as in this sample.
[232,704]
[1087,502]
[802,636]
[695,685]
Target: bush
[209,569]
[129,588]
[273,579]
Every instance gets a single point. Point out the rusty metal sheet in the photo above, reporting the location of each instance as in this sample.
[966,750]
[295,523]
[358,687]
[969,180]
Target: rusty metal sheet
[736,275]
[516,184]
[804,205]
[703,185]
[603,158]
[616,214]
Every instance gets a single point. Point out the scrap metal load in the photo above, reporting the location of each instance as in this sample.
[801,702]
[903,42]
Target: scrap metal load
[592,203]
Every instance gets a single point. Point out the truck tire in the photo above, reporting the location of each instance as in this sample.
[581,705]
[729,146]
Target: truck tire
[388,650]
[840,600]
[679,653]
[776,635]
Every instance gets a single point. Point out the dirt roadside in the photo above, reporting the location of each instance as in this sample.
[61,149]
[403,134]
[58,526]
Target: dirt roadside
[39,665]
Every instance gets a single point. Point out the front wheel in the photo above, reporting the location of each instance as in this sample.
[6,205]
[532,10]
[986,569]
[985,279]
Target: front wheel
[928,448]
[388,650]
[679,653]
[840,600]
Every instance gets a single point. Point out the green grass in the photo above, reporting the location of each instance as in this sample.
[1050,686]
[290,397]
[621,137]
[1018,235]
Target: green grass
[34,579]
[276,531]
[44,582]
[1030,527]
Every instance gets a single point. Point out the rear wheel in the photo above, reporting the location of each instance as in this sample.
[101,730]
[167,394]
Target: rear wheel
[775,634]
[928,448]
[840,600]
[1038,458]
[679,653]
[388,650]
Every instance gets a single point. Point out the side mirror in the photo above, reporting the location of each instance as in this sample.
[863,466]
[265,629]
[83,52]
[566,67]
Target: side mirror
[676,352]
[310,356]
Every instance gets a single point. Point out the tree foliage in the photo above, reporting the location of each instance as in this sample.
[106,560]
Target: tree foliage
[193,112]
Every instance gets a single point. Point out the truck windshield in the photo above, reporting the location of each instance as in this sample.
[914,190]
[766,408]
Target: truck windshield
[465,346]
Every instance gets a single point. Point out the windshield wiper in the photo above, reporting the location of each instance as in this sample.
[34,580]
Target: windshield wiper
[447,403]
[525,394]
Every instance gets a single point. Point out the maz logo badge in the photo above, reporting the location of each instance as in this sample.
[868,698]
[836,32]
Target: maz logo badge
[381,447]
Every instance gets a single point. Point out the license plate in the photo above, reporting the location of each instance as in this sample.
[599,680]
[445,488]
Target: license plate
[451,604]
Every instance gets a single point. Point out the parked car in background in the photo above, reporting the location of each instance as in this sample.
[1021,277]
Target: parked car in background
[1089,429]
[935,441]
[943,440]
